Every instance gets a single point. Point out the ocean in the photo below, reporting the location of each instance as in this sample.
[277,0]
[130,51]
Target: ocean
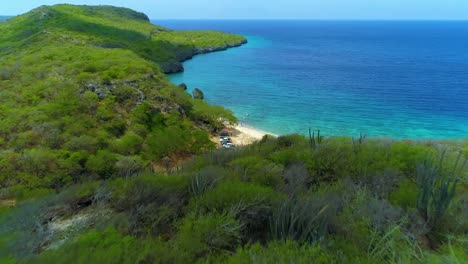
[399,79]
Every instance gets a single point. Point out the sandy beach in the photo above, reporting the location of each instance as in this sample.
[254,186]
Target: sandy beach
[244,135]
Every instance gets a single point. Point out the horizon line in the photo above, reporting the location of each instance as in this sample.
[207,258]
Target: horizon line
[307,19]
[315,19]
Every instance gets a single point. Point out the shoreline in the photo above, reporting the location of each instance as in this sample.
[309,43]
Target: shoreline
[245,135]
[177,66]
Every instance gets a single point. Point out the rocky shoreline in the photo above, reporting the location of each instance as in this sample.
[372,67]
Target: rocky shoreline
[177,66]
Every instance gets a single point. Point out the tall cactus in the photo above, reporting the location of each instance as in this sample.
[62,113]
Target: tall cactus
[314,141]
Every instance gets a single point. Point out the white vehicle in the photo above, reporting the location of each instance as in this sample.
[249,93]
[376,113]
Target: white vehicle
[228,145]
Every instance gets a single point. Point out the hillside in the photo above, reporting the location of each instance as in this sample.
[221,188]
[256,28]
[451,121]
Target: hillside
[81,91]
[102,160]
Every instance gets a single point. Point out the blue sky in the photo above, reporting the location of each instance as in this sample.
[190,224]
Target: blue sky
[274,9]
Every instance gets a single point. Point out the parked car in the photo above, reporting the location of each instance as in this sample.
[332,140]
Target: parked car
[225,140]
[229,145]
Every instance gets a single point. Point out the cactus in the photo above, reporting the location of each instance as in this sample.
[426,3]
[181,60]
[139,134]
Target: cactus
[360,140]
[437,186]
[314,141]
[299,220]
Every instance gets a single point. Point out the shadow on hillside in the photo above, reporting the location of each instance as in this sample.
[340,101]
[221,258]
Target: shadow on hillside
[158,51]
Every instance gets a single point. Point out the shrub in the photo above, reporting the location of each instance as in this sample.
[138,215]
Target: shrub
[328,162]
[436,188]
[107,246]
[128,144]
[282,252]
[214,116]
[454,251]
[381,214]
[206,235]
[230,193]
[393,246]
[456,219]
[38,161]
[300,220]
[381,184]
[260,171]
[206,179]
[297,179]
[102,164]
[83,142]
[290,140]
[153,203]
[405,195]
[129,165]
[22,192]
[351,224]
[75,197]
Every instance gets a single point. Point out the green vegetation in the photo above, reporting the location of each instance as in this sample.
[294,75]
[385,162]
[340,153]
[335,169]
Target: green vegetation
[82,98]
[214,209]
[102,160]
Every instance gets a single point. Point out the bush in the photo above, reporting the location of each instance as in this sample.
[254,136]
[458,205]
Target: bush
[106,246]
[405,195]
[405,155]
[282,252]
[351,225]
[102,164]
[213,116]
[129,165]
[230,193]
[456,219]
[38,161]
[22,193]
[152,203]
[300,220]
[206,179]
[290,140]
[129,144]
[83,142]
[260,171]
[297,179]
[380,213]
[381,184]
[436,188]
[393,246]
[207,235]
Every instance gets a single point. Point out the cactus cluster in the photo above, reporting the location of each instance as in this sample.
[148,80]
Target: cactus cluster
[437,185]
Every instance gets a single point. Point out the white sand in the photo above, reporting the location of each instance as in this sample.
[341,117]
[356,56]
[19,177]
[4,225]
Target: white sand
[244,135]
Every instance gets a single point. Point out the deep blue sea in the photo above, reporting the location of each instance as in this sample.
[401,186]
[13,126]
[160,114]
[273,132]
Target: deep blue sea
[379,78]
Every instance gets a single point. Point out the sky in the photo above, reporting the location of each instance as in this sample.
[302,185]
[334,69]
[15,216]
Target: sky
[273,9]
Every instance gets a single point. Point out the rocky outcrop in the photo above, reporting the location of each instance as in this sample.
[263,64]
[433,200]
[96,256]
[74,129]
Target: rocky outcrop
[172,67]
[198,94]
[105,89]
[183,86]
[176,66]
[225,47]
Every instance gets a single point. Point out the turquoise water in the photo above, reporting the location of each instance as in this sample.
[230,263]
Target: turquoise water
[382,79]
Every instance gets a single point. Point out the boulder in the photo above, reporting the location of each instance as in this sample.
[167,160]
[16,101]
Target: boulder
[183,86]
[198,94]
[172,67]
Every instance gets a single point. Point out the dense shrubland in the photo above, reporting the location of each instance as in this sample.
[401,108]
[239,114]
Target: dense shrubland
[102,160]
[277,200]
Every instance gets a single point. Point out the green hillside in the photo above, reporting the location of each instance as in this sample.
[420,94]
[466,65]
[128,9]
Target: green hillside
[81,87]
[103,160]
